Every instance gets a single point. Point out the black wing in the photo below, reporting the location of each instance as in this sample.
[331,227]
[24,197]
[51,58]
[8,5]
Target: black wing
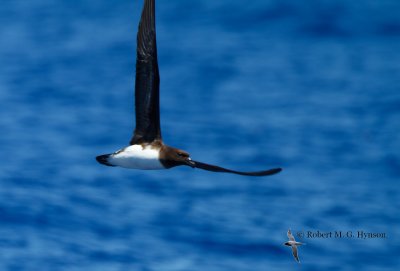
[221,169]
[147,84]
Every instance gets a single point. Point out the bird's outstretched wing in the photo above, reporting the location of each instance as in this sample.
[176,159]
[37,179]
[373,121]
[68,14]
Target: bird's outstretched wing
[214,168]
[147,84]
[295,253]
[290,235]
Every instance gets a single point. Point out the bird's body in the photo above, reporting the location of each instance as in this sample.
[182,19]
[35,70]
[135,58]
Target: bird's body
[137,157]
[293,244]
[146,149]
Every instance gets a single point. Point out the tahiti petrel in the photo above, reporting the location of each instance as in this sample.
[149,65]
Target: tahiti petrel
[146,149]
[293,243]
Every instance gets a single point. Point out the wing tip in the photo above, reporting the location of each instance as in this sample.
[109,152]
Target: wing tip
[268,172]
[276,170]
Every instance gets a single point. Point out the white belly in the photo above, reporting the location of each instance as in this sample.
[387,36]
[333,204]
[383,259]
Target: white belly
[137,157]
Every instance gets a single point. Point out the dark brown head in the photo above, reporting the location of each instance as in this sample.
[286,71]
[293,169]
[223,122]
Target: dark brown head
[172,157]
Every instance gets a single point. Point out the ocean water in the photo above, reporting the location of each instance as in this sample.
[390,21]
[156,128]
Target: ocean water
[311,86]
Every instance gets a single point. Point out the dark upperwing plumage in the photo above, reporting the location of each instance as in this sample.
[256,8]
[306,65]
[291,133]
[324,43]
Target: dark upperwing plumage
[147,84]
[209,167]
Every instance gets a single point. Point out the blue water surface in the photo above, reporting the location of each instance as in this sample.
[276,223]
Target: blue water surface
[311,86]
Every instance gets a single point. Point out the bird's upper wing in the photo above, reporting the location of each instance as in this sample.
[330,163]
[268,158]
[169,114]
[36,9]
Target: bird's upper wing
[295,253]
[214,168]
[147,79]
[290,236]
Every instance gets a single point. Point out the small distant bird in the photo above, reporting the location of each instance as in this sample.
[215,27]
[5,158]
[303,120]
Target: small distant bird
[292,243]
[146,149]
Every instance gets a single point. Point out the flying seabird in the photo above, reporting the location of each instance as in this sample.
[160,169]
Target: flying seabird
[146,149]
[293,243]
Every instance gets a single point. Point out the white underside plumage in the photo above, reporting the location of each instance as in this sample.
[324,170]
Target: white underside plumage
[137,157]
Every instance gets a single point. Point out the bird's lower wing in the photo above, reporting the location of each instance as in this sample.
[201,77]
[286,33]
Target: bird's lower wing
[209,167]
[295,253]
